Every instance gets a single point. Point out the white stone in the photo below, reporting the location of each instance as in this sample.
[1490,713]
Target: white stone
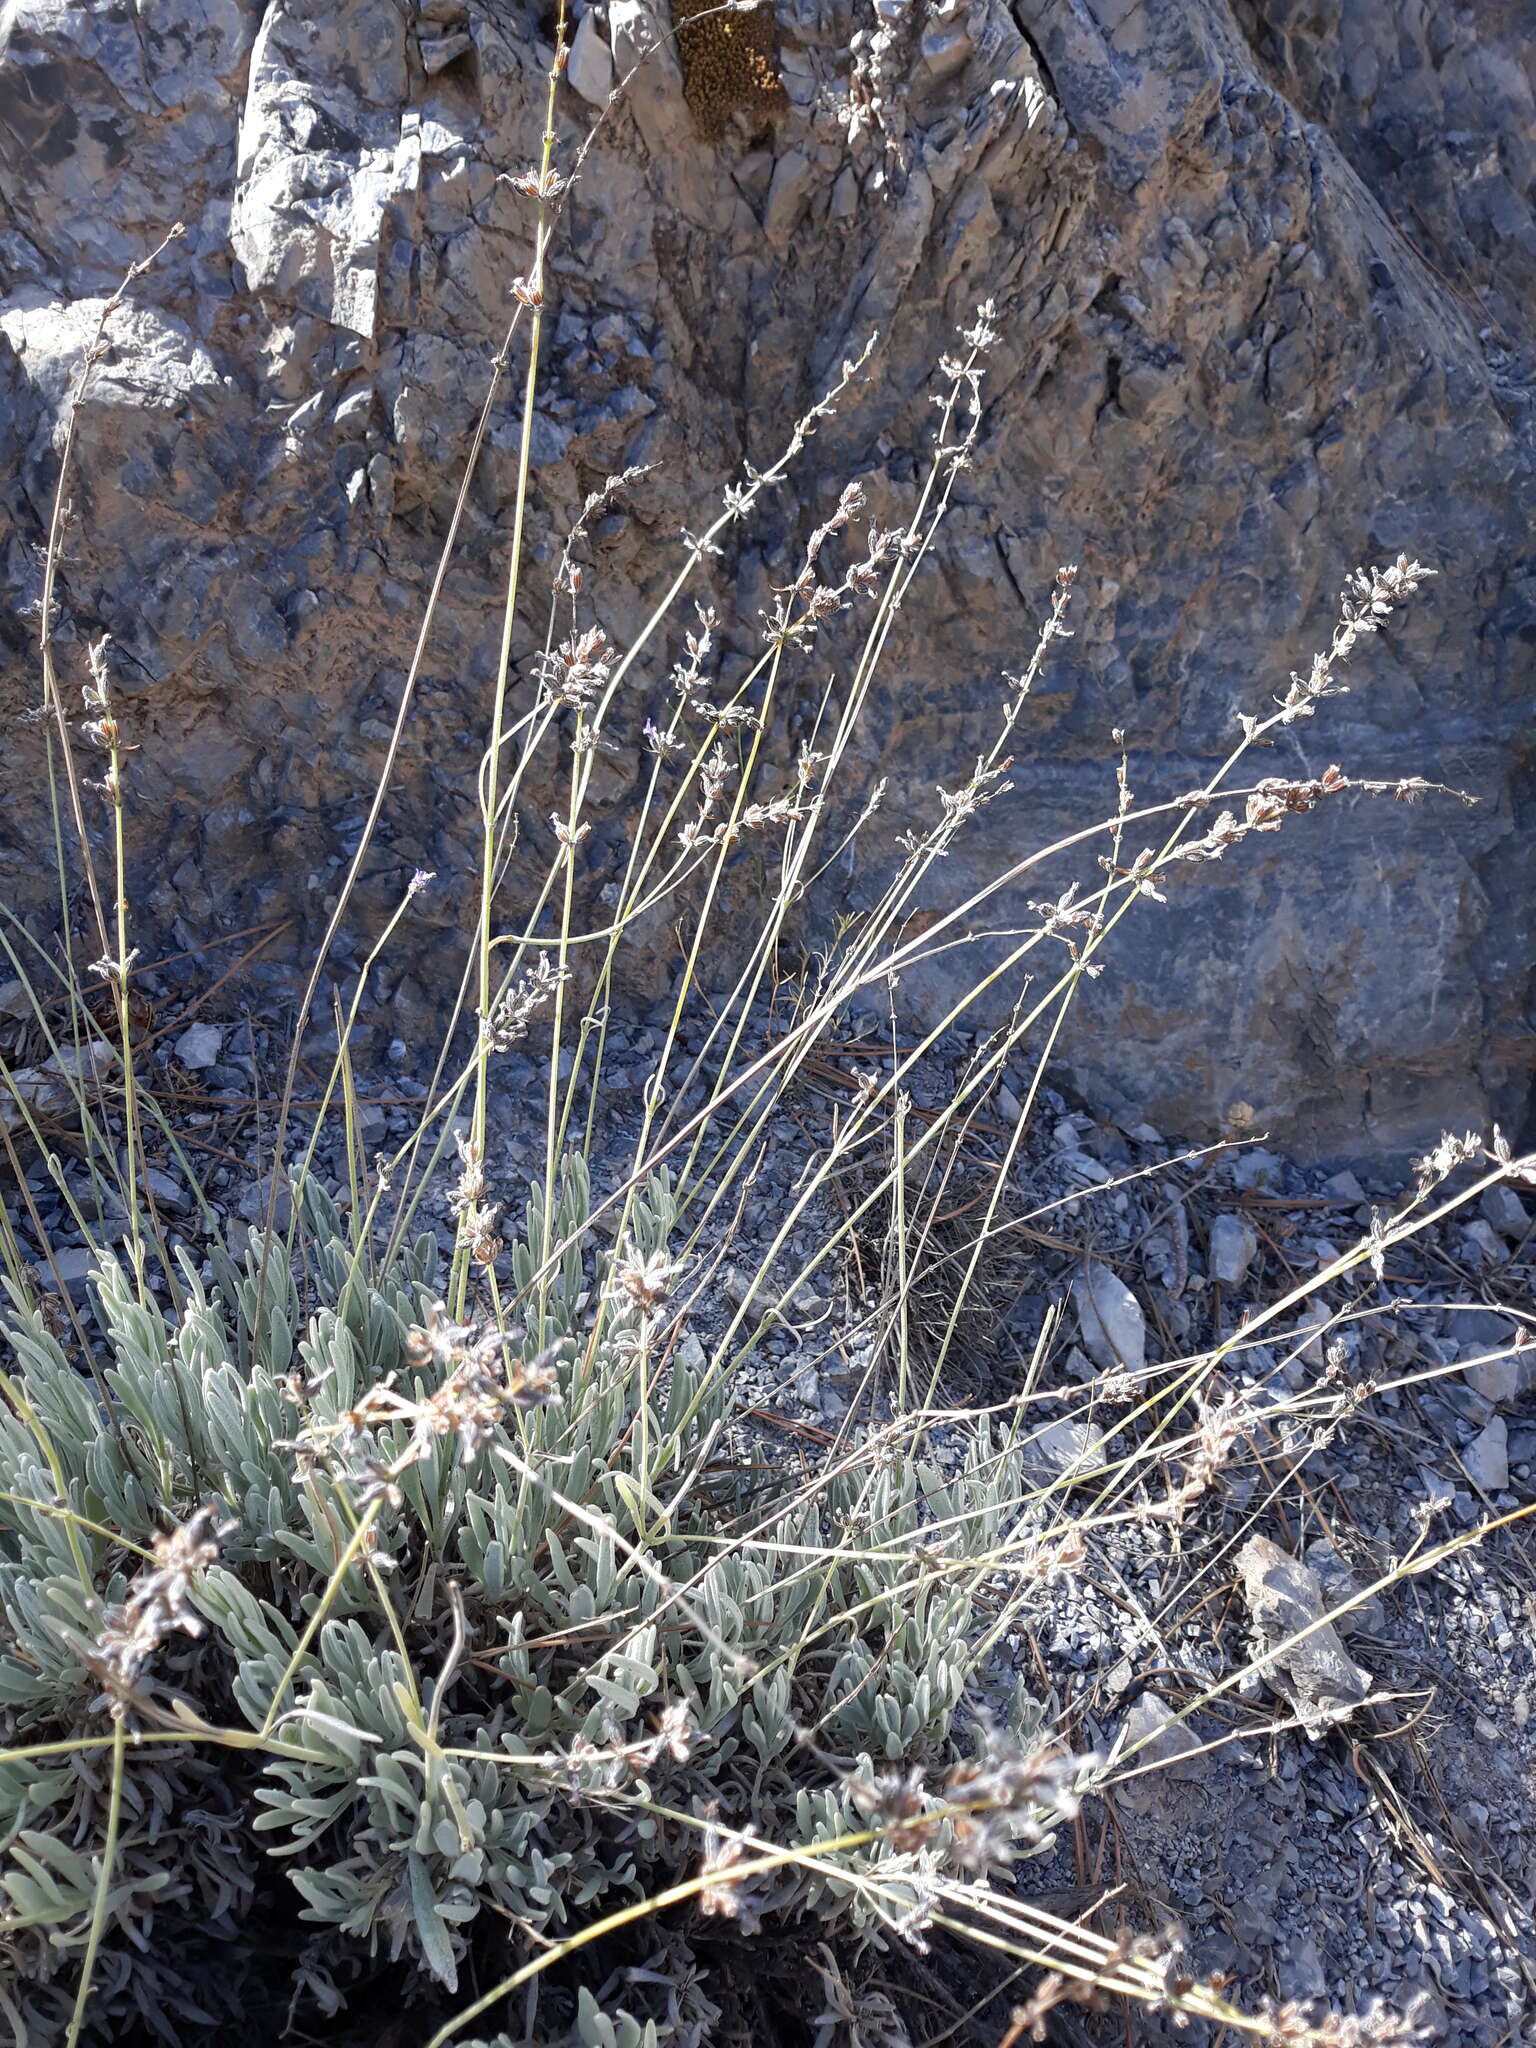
[589,68]
[1297,1649]
[1233,1245]
[199,1046]
[1109,1317]
[1487,1457]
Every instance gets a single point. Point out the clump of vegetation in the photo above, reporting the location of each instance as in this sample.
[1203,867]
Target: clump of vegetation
[467,1645]
[383,1638]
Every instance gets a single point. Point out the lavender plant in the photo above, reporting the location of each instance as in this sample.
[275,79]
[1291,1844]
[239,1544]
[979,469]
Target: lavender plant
[401,1649]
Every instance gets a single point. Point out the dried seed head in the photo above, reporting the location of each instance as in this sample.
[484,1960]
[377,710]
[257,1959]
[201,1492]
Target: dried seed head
[156,1604]
[894,1802]
[645,1281]
[1010,1795]
[513,1011]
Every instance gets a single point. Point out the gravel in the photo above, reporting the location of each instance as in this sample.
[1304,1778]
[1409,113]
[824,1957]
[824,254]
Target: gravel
[1387,1843]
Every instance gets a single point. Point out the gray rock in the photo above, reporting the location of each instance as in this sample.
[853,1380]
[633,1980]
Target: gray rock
[1257,1170]
[1081,1169]
[1490,1364]
[1307,1344]
[1232,1249]
[1156,1738]
[1109,1320]
[1339,1584]
[198,1047]
[438,52]
[1285,1599]
[1438,1490]
[53,1091]
[945,48]
[690,1352]
[1061,1448]
[1344,1187]
[169,1193]
[73,1269]
[1195,237]
[1482,1244]
[788,195]
[589,68]
[1484,1329]
[1503,1208]
[253,1203]
[1486,1458]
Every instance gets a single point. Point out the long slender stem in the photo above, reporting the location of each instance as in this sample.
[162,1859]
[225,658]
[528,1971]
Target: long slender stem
[103,1889]
[530,291]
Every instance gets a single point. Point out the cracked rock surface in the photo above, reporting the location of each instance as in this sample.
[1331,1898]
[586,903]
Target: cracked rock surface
[1265,298]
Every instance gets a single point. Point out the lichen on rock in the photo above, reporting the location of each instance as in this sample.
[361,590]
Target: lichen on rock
[730,62]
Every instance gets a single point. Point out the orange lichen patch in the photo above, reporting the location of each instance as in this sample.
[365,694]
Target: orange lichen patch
[730,62]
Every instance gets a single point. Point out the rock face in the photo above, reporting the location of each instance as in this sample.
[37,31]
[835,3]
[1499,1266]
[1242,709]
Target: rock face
[1264,275]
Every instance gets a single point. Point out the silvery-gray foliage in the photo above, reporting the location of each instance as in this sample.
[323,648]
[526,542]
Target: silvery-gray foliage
[468,1741]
